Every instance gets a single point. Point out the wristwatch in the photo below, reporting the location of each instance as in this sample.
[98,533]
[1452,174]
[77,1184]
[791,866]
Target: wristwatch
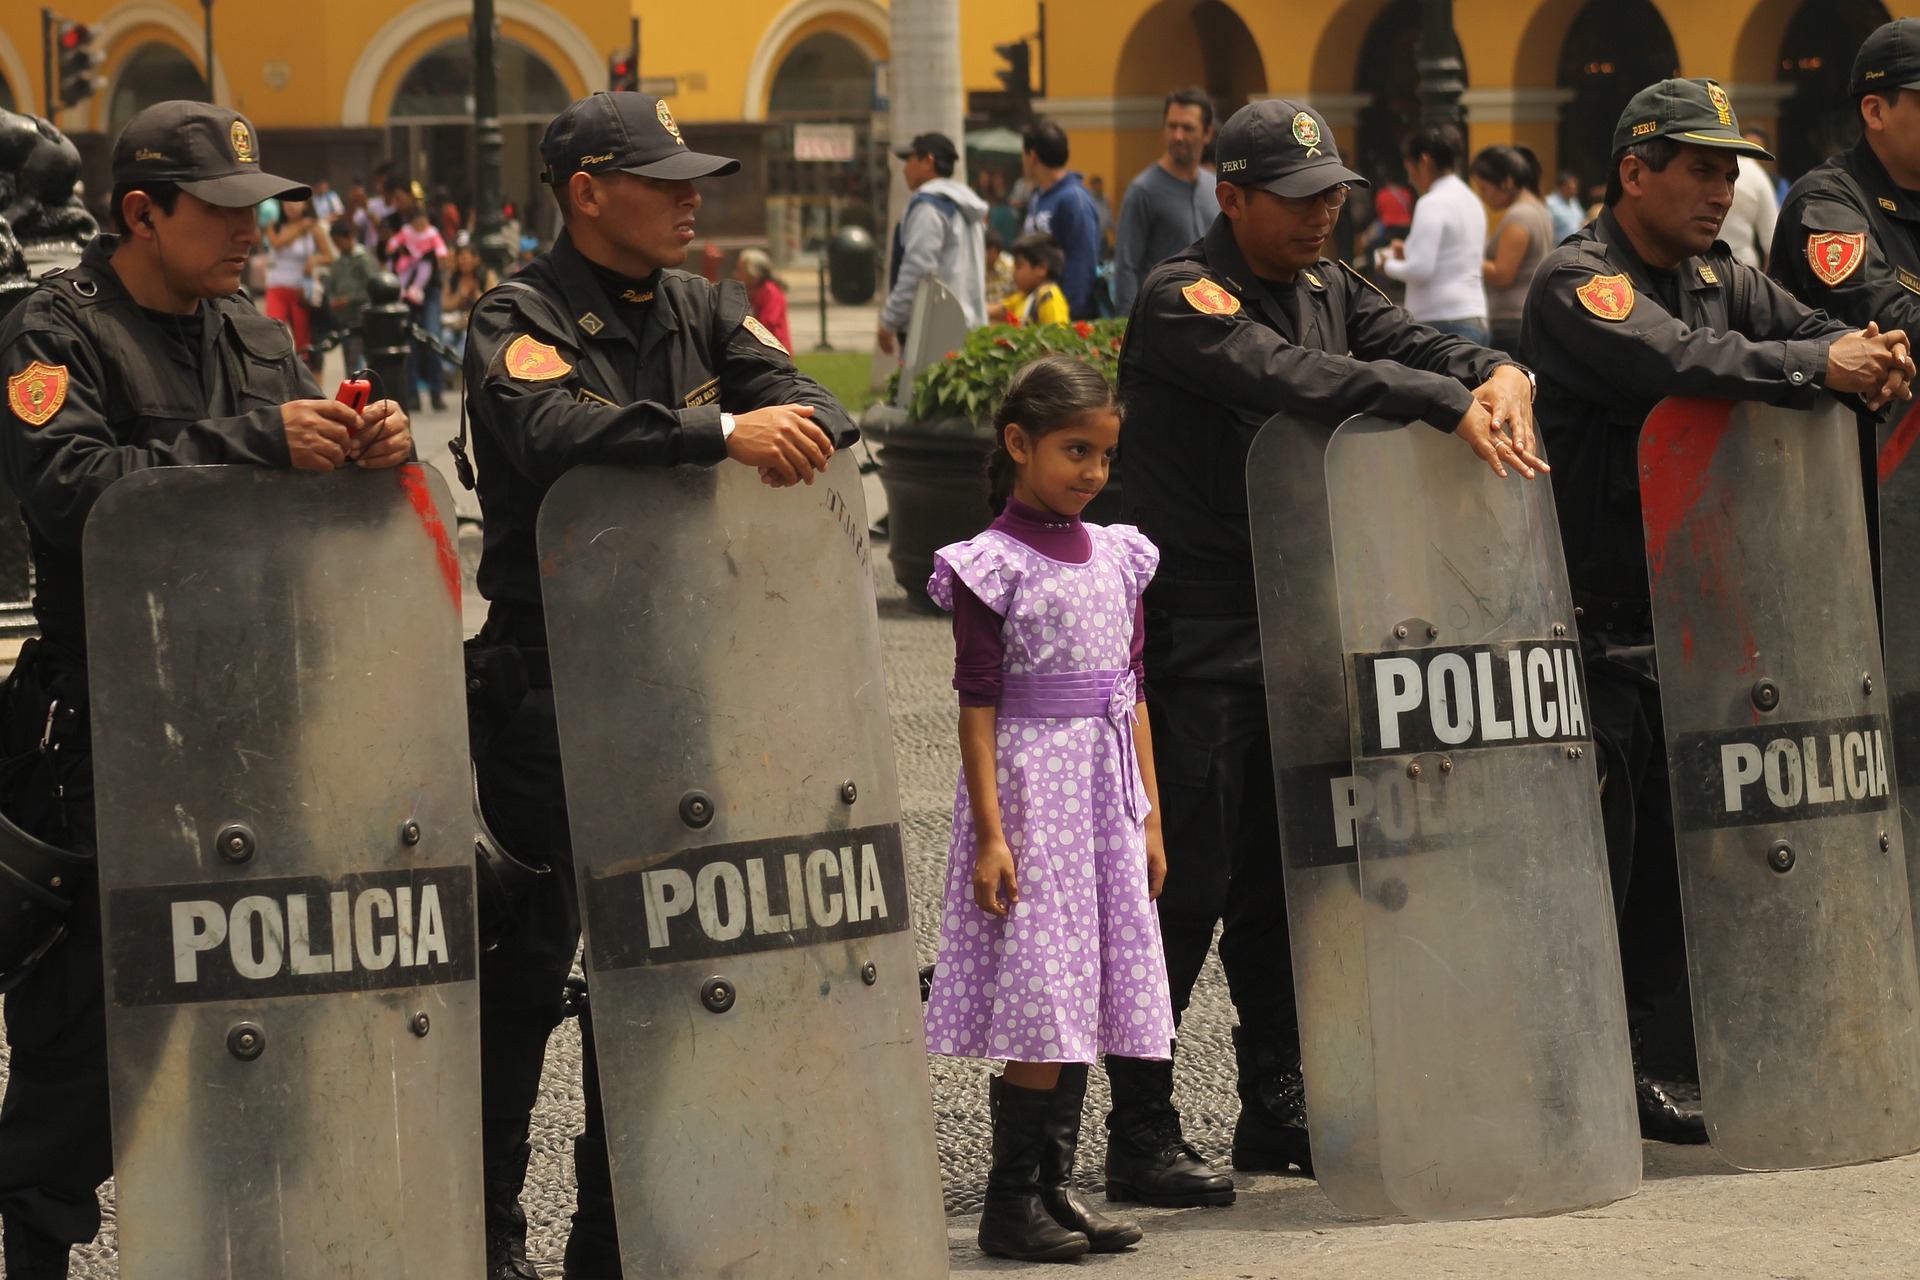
[726,423]
[1532,381]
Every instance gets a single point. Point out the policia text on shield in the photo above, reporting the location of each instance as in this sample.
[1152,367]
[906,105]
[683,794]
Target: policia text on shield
[130,378]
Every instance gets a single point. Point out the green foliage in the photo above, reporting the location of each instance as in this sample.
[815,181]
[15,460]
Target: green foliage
[970,381]
[847,374]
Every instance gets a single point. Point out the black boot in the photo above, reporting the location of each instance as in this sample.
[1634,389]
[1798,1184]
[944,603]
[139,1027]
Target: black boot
[593,1243]
[1271,1134]
[1016,1223]
[1148,1159]
[32,1254]
[1057,1192]
[504,1176]
[1669,1099]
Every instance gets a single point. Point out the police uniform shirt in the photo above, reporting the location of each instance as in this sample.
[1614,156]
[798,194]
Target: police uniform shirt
[1212,352]
[1848,241]
[561,381]
[1609,337]
[98,387]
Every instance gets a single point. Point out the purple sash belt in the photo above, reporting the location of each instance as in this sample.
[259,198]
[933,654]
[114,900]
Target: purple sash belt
[1110,695]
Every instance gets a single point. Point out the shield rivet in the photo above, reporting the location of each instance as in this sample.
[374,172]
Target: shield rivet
[1393,893]
[696,809]
[1780,856]
[1446,764]
[1400,632]
[54,882]
[409,832]
[1886,842]
[235,843]
[420,1023]
[1433,632]
[848,792]
[1766,694]
[717,994]
[246,1040]
[1413,770]
[1559,628]
[1866,683]
[475,683]
[869,973]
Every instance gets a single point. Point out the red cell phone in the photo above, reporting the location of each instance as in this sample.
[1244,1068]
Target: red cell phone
[353,393]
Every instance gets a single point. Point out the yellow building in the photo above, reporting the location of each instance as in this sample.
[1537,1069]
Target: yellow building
[341,87]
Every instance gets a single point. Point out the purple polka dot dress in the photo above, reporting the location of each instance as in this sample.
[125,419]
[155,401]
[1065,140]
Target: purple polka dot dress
[1076,969]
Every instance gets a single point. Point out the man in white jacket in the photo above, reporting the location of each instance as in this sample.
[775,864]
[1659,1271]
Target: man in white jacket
[942,233]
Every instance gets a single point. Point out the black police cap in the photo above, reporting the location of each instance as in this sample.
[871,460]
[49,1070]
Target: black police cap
[208,151]
[625,131]
[1691,111]
[1285,147]
[936,145]
[1888,60]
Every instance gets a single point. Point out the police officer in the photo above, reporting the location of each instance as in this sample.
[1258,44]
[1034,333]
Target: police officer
[1254,319]
[1641,304]
[598,352]
[146,354]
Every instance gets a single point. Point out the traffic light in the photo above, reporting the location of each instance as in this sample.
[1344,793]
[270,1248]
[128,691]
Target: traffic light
[623,71]
[77,60]
[1018,73]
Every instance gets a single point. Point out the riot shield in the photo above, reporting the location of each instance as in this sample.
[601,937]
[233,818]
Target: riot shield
[736,831]
[286,874]
[1313,778]
[1501,1068]
[1898,475]
[1793,873]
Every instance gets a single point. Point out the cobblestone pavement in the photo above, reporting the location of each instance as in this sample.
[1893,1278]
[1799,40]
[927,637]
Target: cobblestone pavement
[1694,1216]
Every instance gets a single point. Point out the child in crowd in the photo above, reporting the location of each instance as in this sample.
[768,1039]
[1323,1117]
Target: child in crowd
[1037,264]
[999,267]
[1049,941]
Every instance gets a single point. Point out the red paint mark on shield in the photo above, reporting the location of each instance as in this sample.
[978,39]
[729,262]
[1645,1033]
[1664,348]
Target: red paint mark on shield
[1894,452]
[1676,449]
[414,481]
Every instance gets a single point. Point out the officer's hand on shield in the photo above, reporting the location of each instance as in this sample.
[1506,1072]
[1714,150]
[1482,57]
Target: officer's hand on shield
[993,876]
[1874,365]
[782,442]
[385,437]
[319,433]
[1494,445]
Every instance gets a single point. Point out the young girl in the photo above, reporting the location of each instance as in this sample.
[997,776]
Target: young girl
[1049,942]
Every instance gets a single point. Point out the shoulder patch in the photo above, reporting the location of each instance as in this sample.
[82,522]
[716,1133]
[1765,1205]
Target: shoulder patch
[1609,297]
[1208,298]
[36,393]
[531,361]
[765,335]
[1836,255]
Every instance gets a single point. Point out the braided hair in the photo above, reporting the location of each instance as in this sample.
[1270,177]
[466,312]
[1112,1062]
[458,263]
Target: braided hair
[1045,396]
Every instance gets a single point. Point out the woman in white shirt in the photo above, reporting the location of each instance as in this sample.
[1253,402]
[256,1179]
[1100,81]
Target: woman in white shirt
[1440,260]
[297,249]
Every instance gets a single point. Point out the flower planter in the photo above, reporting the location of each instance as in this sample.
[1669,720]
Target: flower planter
[934,473]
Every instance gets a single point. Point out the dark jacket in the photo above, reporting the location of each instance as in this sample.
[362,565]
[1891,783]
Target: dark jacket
[1200,378]
[557,381]
[134,399]
[1710,327]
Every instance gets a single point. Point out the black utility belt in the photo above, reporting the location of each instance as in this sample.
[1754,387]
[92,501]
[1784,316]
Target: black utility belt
[1193,598]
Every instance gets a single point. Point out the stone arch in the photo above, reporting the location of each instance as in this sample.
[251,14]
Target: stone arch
[1182,42]
[863,23]
[19,81]
[152,71]
[1337,57]
[1611,50]
[121,31]
[415,30]
[824,74]
[1812,63]
[1385,75]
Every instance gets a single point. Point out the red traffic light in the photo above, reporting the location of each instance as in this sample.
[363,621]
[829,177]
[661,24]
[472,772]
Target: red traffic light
[73,35]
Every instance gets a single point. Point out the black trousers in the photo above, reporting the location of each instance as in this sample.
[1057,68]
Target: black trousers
[1642,858]
[1221,824]
[56,1135]
[523,980]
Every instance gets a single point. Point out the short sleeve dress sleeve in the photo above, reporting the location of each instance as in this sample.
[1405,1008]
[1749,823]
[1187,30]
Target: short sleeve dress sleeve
[982,565]
[1137,553]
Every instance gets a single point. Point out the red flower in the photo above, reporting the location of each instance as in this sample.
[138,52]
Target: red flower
[1116,344]
[1003,342]
[953,355]
[1014,321]
[1082,328]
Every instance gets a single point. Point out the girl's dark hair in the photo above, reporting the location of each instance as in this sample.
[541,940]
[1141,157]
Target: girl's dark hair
[1501,165]
[1045,396]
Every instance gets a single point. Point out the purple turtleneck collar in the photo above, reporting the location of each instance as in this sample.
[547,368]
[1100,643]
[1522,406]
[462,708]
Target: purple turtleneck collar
[1057,537]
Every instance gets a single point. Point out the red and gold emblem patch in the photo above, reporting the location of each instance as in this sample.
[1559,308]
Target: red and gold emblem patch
[531,361]
[765,335]
[1210,299]
[1835,255]
[1609,297]
[36,393]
